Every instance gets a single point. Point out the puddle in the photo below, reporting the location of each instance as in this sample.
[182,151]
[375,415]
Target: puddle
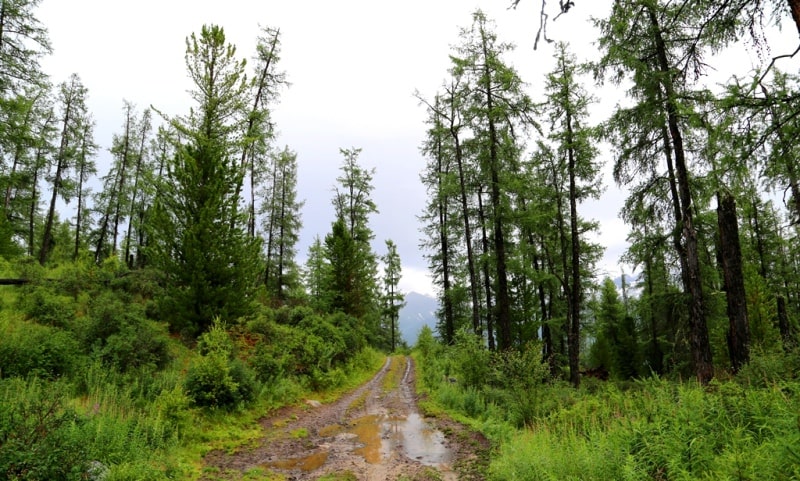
[307,464]
[413,435]
[368,430]
[331,431]
[422,442]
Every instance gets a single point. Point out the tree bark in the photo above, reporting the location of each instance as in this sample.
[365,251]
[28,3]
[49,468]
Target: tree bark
[731,255]
[794,7]
[698,335]
[487,278]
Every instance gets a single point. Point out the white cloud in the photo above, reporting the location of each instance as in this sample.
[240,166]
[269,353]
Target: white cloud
[416,280]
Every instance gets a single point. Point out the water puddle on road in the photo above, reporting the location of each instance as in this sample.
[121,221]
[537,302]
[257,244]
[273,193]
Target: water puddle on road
[421,441]
[416,438]
[307,463]
[368,430]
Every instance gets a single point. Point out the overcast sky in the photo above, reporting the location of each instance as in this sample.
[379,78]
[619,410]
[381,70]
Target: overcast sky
[353,65]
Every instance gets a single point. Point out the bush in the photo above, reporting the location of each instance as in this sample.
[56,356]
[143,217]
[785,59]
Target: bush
[42,305]
[120,335]
[217,379]
[28,349]
[39,438]
[472,360]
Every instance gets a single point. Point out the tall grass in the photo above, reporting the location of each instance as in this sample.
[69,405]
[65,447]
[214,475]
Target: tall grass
[664,431]
[743,428]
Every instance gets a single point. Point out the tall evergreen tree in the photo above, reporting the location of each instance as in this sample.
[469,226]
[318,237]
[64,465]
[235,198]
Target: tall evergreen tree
[85,168]
[653,41]
[352,281]
[73,120]
[281,226]
[567,108]
[199,234]
[496,107]
[393,298]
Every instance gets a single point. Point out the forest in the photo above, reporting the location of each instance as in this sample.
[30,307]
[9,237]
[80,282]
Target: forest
[165,312]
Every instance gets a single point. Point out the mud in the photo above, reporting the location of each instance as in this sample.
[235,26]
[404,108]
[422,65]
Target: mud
[375,432]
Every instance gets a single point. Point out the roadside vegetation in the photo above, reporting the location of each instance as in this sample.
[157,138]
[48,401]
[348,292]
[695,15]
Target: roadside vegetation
[156,320]
[737,427]
[90,386]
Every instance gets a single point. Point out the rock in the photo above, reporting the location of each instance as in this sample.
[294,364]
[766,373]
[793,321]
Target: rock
[97,471]
[313,403]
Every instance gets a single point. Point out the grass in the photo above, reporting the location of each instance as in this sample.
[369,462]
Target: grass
[652,429]
[394,376]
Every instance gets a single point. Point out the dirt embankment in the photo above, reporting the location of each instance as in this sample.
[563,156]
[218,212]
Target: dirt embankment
[373,433]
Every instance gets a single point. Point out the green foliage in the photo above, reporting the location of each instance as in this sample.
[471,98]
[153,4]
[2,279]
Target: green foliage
[217,378]
[119,334]
[39,437]
[471,360]
[28,349]
[45,306]
[660,430]
[198,231]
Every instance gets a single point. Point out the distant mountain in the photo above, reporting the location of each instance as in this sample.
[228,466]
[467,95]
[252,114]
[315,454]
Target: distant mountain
[420,310]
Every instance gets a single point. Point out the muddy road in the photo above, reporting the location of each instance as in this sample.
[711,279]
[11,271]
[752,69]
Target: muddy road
[373,433]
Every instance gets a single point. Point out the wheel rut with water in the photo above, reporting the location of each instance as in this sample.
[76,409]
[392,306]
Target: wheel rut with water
[375,432]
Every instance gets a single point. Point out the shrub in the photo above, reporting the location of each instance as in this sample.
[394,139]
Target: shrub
[39,437]
[217,379]
[120,335]
[28,349]
[472,360]
[42,305]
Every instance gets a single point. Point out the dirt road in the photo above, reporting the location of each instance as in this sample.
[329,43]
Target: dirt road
[374,433]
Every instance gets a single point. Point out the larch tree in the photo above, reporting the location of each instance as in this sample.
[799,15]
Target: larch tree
[496,108]
[120,184]
[657,44]
[567,108]
[282,223]
[265,86]
[199,233]
[72,120]
[85,168]
[140,173]
[393,298]
[447,217]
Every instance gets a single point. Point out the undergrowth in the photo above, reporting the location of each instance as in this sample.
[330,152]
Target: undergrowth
[740,428]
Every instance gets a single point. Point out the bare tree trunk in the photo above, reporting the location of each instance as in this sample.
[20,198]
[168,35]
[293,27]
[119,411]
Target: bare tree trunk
[700,346]
[487,277]
[731,255]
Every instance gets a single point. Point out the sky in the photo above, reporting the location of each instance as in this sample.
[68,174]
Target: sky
[353,65]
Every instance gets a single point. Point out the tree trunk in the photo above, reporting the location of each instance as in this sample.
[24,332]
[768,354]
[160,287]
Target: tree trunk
[573,334]
[547,339]
[783,324]
[487,277]
[473,281]
[698,335]
[794,7]
[136,175]
[447,301]
[47,236]
[733,278]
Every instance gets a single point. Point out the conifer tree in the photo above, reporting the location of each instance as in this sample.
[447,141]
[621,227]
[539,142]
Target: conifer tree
[393,298]
[72,121]
[199,236]
[282,225]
